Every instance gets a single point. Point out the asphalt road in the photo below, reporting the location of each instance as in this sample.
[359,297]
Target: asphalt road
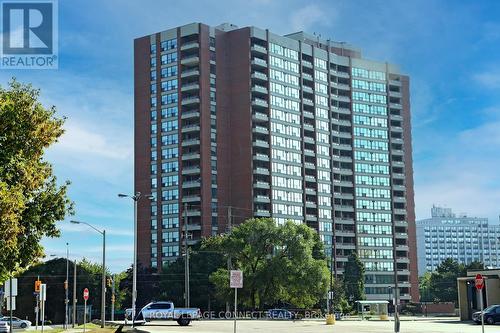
[316,326]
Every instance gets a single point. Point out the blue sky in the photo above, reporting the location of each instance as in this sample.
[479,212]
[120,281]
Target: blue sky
[451,50]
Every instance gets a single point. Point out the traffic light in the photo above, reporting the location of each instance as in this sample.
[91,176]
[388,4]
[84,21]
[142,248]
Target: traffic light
[38,283]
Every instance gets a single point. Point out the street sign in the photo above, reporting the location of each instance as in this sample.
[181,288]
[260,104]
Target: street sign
[43,292]
[479,281]
[13,303]
[236,279]
[85,294]
[14,287]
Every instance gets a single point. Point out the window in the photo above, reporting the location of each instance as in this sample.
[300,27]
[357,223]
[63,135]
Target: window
[168,44]
[169,112]
[170,153]
[153,48]
[169,71]
[170,125]
[168,58]
[169,85]
[170,208]
[170,166]
[169,139]
[169,98]
[170,180]
[170,194]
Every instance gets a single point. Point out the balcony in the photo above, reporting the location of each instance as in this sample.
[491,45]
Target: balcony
[190,156]
[191,170]
[307,76]
[190,128]
[190,100]
[191,184]
[262,199]
[341,98]
[193,212]
[310,204]
[307,64]
[309,152]
[261,171]
[307,89]
[261,157]
[190,45]
[260,103]
[259,116]
[259,89]
[261,184]
[310,217]
[190,73]
[258,49]
[262,213]
[395,83]
[191,198]
[307,101]
[260,130]
[260,143]
[190,114]
[258,62]
[308,114]
[395,106]
[340,74]
[259,76]
[190,60]
[190,142]
[190,87]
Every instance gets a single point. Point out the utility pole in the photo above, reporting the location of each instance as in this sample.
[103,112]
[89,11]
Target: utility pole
[74,295]
[66,300]
[229,228]
[113,298]
[103,298]
[186,261]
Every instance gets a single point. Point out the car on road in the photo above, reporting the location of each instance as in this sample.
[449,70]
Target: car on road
[491,315]
[4,327]
[283,314]
[164,311]
[16,322]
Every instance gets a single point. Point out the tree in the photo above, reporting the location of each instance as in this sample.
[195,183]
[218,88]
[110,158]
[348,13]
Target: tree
[202,264]
[441,284]
[53,274]
[354,277]
[443,281]
[31,201]
[280,264]
[148,286]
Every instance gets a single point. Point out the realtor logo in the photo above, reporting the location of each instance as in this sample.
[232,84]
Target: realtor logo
[29,35]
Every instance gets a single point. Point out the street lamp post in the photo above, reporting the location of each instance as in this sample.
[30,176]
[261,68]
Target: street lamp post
[66,285]
[103,291]
[135,198]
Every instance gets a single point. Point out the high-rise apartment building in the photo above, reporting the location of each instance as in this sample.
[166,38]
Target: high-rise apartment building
[463,238]
[233,123]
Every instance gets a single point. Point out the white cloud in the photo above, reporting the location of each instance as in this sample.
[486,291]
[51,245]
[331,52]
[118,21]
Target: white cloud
[489,79]
[79,139]
[110,231]
[308,16]
[464,176]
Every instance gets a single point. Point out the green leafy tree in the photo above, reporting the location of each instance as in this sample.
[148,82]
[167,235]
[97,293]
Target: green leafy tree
[148,287]
[443,281]
[202,264]
[280,264]
[53,274]
[354,278]
[31,201]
